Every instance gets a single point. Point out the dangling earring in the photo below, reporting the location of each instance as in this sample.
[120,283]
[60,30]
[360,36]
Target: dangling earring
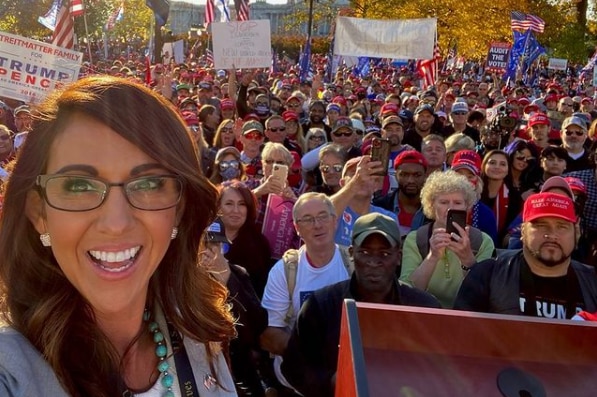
[172,235]
[45,239]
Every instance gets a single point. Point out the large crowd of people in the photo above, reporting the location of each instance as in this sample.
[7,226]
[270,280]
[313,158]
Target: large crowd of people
[275,186]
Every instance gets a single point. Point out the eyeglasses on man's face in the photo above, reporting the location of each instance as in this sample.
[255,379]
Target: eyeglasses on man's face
[309,221]
[78,193]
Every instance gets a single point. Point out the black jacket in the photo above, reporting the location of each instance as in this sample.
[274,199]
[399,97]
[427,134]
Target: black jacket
[493,285]
[311,357]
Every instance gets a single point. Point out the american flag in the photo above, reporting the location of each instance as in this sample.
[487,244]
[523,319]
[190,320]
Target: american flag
[76,8]
[210,13]
[209,57]
[64,32]
[242,9]
[116,16]
[428,68]
[524,22]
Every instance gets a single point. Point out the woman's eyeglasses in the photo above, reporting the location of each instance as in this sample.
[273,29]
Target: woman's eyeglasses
[316,138]
[77,193]
[331,168]
[270,162]
[525,159]
[229,164]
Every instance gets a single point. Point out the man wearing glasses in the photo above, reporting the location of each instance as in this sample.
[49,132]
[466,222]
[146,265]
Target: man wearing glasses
[319,263]
[275,131]
[574,135]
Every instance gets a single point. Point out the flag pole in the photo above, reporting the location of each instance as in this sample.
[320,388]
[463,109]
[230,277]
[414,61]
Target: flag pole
[87,36]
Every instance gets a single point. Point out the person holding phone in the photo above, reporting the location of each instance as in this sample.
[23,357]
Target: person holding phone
[438,255]
[276,160]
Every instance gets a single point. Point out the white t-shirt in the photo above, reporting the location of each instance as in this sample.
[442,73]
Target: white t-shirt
[308,279]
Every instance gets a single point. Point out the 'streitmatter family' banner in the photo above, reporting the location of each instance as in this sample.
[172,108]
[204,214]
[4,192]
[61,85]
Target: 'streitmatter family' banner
[30,69]
[404,38]
[243,44]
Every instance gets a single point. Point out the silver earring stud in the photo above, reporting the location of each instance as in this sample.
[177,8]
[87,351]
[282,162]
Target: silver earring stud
[45,239]
[172,235]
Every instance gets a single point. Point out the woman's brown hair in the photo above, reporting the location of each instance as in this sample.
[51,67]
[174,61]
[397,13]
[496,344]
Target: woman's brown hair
[42,304]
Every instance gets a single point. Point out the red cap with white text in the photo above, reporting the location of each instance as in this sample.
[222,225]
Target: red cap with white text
[544,205]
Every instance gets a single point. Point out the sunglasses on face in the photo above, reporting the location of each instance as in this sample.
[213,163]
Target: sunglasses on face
[526,159]
[331,168]
[270,162]
[577,133]
[276,129]
[316,137]
[229,164]
[459,113]
[254,136]
[339,134]
[5,137]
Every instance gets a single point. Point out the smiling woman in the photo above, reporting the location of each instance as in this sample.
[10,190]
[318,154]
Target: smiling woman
[101,275]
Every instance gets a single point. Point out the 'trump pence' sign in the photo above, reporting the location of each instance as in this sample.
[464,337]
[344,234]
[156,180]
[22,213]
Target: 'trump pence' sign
[245,44]
[30,69]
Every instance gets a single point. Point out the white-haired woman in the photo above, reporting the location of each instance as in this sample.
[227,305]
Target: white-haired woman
[433,259]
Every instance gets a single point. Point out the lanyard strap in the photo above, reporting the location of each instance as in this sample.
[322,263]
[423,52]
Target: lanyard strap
[184,371]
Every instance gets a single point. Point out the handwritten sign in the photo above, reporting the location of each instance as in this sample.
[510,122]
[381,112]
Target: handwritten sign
[30,69]
[245,44]
[404,38]
[497,57]
[278,227]
[557,64]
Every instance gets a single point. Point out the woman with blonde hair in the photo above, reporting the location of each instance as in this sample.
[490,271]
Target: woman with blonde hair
[433,259]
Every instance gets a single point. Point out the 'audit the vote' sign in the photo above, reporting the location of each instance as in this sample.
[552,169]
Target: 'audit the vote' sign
[497,57]
[243,44]
[30,69]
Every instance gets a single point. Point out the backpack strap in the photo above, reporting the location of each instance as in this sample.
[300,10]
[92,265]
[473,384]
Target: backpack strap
[422,237]
[346,260]
[290,260]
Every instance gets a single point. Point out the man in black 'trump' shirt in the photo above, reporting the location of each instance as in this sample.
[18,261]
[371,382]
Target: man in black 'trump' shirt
[541,280]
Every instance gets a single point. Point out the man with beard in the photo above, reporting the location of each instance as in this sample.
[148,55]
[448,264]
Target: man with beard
[424,119]
[541,280]
[316,115]
[410,173]
[574,135]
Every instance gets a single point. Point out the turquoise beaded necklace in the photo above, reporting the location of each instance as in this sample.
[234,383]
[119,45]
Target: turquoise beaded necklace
[161,351]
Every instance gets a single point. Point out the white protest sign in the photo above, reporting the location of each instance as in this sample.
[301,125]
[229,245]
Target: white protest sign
[30,69]
[557,64]
[243,44]
[404,38]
